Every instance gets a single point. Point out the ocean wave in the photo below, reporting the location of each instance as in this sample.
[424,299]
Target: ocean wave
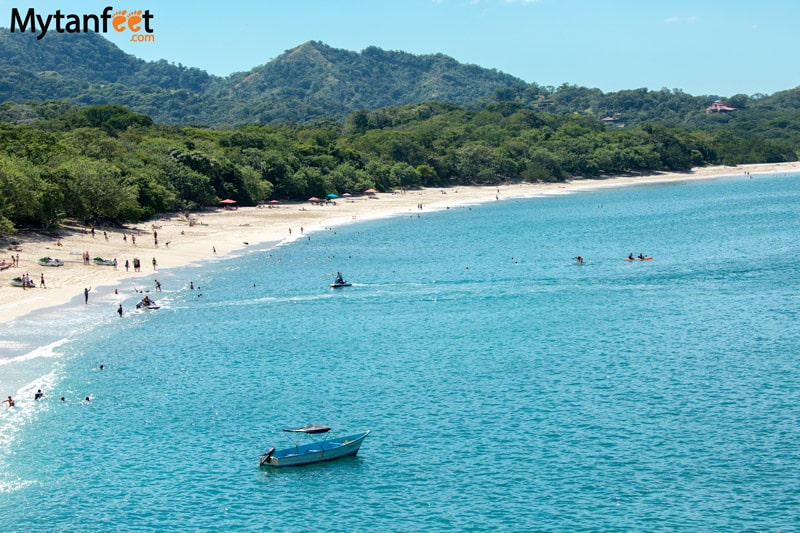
[47,352]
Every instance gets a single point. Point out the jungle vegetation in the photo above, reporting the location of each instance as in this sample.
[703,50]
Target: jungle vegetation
[90,133]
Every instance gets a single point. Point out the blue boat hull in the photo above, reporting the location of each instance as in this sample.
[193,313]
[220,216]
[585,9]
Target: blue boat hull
[314,452]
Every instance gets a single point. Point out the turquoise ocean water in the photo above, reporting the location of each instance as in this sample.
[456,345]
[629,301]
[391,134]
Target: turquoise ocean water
[507,388]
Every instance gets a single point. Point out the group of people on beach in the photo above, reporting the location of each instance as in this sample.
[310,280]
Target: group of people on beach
[28,283]
[137,265]
[13,263]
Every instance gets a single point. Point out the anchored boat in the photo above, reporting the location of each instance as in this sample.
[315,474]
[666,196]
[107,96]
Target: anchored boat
[316,451]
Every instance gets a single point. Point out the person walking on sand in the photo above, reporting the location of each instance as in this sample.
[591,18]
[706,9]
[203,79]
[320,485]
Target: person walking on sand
[41,284]
[155,264]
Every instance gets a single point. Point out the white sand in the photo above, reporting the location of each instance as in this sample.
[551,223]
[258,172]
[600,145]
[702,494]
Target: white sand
[180,243]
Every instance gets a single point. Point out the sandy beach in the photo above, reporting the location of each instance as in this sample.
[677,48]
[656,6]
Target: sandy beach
[176,241]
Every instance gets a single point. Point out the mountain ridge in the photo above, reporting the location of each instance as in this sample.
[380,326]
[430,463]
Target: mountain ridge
[314,81]
[310,81]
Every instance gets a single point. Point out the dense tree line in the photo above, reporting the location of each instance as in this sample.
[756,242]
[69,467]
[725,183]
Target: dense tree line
[108,163]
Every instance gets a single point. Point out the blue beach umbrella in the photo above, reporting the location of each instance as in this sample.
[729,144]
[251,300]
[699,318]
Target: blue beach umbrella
[332,195]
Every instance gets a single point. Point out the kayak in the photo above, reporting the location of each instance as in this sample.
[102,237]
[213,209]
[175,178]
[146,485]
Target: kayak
[649,258]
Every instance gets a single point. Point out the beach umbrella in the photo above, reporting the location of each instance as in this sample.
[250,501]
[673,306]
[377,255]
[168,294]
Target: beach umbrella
[370,191]
[313,199]
[332,195]
[347,194]
[227,201]
[274,201]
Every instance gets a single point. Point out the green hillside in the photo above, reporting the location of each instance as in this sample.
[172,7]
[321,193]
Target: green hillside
[90,133]
[309,82]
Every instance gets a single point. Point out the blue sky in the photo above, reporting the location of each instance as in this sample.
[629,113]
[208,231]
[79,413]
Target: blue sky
[701,46]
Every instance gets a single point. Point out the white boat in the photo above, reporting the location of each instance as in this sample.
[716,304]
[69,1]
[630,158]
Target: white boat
[50,262]
[104,262]
[316,451]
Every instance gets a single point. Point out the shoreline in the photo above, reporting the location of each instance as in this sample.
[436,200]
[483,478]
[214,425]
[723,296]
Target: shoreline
[173,242]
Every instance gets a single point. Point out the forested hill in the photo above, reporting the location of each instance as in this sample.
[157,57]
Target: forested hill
[309,82]
[315,82]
